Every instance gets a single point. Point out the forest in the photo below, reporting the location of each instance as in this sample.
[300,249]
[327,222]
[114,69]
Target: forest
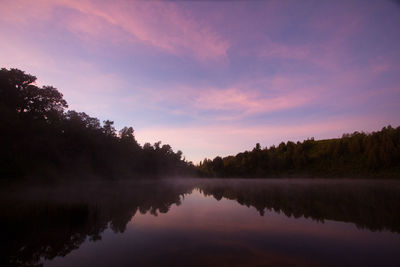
[356,155]
[41,138]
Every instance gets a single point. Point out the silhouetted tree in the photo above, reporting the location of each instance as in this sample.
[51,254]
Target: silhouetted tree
[108,128]
[19,93]
[366,155]
[40,138]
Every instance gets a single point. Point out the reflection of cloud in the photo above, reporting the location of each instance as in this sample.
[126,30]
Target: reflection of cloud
[159,24]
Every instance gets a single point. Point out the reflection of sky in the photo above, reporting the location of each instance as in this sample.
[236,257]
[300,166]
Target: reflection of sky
[203,230]
[214,77]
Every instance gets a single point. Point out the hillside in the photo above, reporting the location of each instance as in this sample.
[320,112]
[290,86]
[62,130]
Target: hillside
[359,154]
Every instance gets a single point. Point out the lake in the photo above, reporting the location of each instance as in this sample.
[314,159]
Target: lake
[202,222]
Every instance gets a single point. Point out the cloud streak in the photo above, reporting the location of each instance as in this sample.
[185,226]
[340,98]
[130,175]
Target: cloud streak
[247,103]
[224,104]
[162,25]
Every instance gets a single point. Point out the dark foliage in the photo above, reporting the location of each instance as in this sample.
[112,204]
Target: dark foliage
[354,155]
[40,138]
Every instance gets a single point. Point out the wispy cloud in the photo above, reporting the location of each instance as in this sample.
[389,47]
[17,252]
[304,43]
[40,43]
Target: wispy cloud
[162,25]
[235,102]
[271,49]
[247,102]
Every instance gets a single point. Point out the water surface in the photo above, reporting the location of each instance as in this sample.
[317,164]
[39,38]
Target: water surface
[203,222]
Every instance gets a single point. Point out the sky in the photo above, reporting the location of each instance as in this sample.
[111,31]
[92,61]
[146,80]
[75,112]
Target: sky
[214,77]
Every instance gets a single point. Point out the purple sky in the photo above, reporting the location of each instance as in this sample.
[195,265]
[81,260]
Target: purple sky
[214,78]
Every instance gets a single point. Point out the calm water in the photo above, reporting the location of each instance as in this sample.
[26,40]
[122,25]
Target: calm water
[203,222]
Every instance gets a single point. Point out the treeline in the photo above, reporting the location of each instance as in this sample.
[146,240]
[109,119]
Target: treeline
[376,154]
[41,138]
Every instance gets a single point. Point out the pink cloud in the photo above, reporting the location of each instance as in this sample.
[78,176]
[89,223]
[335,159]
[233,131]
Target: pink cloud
[380,68]
[233,103]
[247,102]
[236,101]
[380,65]
[284,51]
[24,12]
[333,28]
[162,25]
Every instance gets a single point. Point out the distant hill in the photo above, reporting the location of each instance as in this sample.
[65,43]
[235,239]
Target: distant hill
[359,154]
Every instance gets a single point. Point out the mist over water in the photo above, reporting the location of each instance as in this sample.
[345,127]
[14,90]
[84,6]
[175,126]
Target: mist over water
[203,222]
[199,133]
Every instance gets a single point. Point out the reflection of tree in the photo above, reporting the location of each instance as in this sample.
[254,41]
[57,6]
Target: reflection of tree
[45,223]
[42,223]
[371,205]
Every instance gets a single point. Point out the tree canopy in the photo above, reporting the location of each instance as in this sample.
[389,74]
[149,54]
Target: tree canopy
[376,154]
[40,137]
